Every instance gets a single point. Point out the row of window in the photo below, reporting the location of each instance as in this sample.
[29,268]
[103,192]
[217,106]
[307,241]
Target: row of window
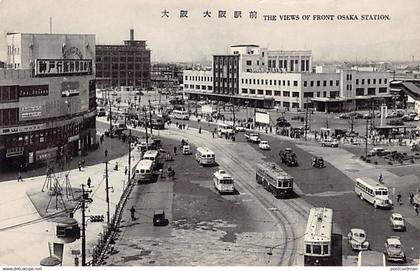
[318,83]
[269,82]
[8,93]
[199,78]
[202,87]
[278,93]
[122,66]
[12,50]
[370,91]
[293,64]
[123,74]
[362,81]
[123,59]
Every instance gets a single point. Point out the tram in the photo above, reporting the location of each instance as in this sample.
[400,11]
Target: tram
[318,237]
[274,179]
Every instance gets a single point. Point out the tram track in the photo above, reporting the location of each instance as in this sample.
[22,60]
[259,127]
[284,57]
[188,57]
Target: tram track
[288,253]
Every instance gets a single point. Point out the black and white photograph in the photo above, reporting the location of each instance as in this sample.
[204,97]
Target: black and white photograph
[210,133]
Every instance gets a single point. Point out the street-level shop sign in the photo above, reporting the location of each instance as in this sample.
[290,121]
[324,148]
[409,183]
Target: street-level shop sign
[22,129]
[12,152]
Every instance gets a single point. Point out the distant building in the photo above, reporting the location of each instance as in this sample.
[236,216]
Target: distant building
[166,75]
[264,78]
[47,102]
[410,91]
[123,65]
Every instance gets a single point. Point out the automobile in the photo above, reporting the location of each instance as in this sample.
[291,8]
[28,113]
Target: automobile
[344,116]
[318,162]
[376,151]
[139,93]
[186,150]
[264,145]
[114,93]
[393,249]
[252,137]
[240,129]
[397,222]
[356,115]
[412,114]
[417,118]
[357,239]
[159,218]
[407,118]
[329,142]
[367,116]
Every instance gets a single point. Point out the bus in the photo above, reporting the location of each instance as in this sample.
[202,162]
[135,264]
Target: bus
[225,129]
[223,182]
[318,236]
[180,114]
[205,156]
[151,155]
[144,171]
[373,192]
[274,179]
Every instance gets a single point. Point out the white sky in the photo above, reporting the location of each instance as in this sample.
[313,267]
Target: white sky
[197,38]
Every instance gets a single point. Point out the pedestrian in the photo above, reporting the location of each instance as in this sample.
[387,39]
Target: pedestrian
[199,130]
[399,198]
[175,150]
[416,208]
[19,179]
[411,198]
[126,170]
[89,182]
[133,211]
[83,163]
[106,152]
[212,134]
[380,179]
[79,165]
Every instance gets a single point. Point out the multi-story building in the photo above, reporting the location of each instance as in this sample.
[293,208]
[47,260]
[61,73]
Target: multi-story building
[166,75]
[124,65]
[263,78]
[47,101]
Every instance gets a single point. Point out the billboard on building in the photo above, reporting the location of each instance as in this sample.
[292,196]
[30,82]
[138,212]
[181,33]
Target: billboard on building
[262,117]
[59,67]
[69,88]
[207,109]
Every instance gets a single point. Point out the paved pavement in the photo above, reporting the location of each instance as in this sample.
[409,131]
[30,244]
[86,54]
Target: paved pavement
[25,234]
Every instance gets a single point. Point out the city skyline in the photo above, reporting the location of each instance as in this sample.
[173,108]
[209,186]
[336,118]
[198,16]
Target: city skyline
[196,38]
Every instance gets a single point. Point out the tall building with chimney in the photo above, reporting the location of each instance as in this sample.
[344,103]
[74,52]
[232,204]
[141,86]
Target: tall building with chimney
[125,65]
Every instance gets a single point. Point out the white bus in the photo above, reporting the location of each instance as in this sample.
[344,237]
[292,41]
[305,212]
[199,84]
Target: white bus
[318,236]
[144,171]
[151,155]
[205,156]
[223,129]
[180,114]
[372,191]
[223,182]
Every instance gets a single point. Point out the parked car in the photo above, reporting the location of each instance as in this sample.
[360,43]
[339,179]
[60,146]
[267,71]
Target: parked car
[252,137]
[357,239]
[393,249]
[397,222]
[159,218]
[240,129]
[376,151]
[264,145]
[344,116]
[329,142]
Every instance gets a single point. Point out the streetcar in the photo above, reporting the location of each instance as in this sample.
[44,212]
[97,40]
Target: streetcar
[318,237]
[223,182]
[180,114]
[274,179]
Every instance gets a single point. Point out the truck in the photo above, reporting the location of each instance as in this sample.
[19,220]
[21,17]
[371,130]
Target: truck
[252,137]
[288,157]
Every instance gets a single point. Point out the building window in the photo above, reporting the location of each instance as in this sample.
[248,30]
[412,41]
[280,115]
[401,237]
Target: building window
[275,82]
[318,83]
[284,82]
[286,104]
[337,83]
[386,81]
[312,83]
[268,92]
[271,82]
[305,84]
[252,91]
[331,83]
[325,83]
[266,82]
[371,91]
[308,94]
[279,81]
[360,91]
[276,93]
[363,81]
[295,105]
[260,92]
[295,94]
[245,91]
[258,81]
[334,94]
[374,80]
[295,83]
[318,94]
[286,93]
[288,83]
[357,81]
[380,80]
[249,62]
[382,90]
[253,81]
[368,81]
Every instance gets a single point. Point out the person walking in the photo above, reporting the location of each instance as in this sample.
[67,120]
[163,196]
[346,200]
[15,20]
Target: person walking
[19,179]
[416,208]
[89,182]
[175,150]
[133,211]
[380,179]
[399,198]
[126,170]
[106,152]
[79,165]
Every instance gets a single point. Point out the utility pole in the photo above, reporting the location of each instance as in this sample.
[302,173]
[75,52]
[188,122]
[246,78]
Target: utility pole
[107,192]
[145,126]
[110,115]
[366,145]
[129,157]
[83,227]
[233,108]
[306,119]
[150,118]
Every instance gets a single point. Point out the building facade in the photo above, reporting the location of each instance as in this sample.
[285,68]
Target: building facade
[47,101]
[124,65]
[263,78]
[166,76]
